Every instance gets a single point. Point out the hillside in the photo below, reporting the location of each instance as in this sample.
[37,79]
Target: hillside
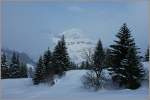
[23,56]
[67,88]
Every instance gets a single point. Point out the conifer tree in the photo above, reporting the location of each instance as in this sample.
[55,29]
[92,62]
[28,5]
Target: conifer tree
[133,70]
[98,58]
[47,58]
[15,66]
[39,72]
[61,61]
[4,67]
[93,78]
[125,59]
[107,61]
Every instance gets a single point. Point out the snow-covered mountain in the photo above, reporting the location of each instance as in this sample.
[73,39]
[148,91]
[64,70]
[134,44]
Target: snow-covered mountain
[23,57]
[77,44]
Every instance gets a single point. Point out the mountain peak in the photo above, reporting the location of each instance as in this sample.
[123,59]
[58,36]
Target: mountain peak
[77,43]
[73,33]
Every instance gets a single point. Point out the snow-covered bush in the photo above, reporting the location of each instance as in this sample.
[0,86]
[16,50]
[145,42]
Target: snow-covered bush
[90,81]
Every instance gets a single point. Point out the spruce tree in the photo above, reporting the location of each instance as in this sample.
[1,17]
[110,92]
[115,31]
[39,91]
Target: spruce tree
[4,67]
[47,58]
[93,79]
[133,70]
[15,66]
[65,55]
[98,58]
[125,59]
[107,61]
[39,72]
[61,61]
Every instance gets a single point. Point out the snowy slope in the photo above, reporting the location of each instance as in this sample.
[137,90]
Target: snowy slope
[66,88]
[77,43]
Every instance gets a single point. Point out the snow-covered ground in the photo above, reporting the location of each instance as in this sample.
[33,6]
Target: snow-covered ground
[66,88]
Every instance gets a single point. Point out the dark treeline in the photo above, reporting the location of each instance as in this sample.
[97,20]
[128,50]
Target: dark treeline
[13,69]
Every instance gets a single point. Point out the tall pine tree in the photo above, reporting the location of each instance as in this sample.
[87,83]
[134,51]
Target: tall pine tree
[125,60]
[93,78]
[98,58]
[61,60]
[107,61]
[15,66]
[4,67]
[47,58]
[40,72]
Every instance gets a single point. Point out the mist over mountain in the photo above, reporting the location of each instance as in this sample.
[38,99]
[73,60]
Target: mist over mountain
[22,56]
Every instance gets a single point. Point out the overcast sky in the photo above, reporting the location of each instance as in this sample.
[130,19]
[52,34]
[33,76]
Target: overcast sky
[28,27]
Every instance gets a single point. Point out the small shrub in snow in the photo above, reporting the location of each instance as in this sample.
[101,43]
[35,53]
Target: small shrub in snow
[90,81]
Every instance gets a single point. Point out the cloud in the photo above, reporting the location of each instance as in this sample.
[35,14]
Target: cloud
[75,8]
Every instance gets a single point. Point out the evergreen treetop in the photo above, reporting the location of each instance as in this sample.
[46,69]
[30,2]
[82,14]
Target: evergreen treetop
[125,59]
[98,56]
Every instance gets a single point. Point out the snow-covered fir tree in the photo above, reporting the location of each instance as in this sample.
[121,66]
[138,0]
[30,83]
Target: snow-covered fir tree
[133,70]
[4,67]
[40,72]
[61,60]
[15,66]
[107,61]
[47,58]
[125,60]
[93,78]
[98,58]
